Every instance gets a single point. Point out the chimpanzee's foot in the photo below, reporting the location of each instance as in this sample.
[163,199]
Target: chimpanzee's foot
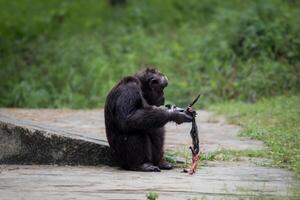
[148,167]
[165,165]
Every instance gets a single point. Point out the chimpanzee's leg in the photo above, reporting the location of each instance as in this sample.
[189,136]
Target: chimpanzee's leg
[137,154]
[157,138]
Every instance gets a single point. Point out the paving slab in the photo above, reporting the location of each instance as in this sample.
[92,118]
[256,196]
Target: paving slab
[65,133]
[230,180]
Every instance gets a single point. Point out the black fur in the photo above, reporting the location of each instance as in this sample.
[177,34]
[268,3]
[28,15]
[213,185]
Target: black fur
[134,123]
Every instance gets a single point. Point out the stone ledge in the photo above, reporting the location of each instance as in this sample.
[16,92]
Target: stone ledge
[23,145]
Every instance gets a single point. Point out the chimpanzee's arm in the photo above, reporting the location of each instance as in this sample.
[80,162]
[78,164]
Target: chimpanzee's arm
[147,118]
[132,114]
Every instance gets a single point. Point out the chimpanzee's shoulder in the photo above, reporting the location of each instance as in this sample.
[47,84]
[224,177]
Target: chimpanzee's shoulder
[130,81]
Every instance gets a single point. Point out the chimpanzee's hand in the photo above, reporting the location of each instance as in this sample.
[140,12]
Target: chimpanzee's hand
[180,117]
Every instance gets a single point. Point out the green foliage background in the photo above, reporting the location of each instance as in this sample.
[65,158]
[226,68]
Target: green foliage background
[62,53]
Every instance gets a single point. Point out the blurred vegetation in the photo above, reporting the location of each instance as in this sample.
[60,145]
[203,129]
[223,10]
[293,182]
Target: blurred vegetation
[152,195]
[276,121]
[62,53]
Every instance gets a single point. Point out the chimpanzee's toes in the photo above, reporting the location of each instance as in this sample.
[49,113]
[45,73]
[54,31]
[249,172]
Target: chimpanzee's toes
[148,167]
[165,165]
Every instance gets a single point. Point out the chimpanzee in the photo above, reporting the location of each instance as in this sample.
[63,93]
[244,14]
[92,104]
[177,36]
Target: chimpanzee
[134,121]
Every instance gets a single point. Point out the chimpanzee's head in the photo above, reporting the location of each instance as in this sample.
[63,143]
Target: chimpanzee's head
[153,84]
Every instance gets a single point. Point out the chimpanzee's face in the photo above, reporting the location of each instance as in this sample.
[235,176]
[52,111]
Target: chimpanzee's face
[157,84]
[153,85]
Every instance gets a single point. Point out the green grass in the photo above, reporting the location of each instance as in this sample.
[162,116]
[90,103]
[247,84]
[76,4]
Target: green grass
[152,195]
[220,155]
[63,53]
[233,155]
[276,121]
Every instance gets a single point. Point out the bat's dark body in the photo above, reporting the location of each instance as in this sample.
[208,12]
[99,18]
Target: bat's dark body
[194,130]
[194,136]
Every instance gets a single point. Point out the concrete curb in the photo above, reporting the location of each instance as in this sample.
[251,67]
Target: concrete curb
[23,145]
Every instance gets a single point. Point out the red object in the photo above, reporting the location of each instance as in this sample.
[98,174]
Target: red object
[195,158]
